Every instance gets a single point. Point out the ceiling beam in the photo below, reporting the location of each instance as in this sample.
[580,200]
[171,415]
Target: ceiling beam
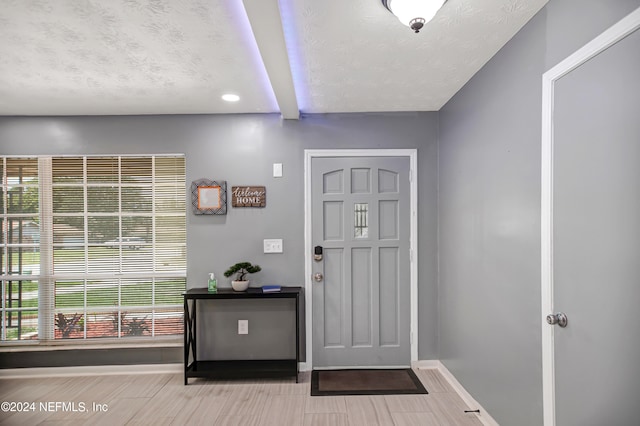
[266,24]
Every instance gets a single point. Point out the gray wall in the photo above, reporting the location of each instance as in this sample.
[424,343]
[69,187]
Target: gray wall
[241,150]
[489,209]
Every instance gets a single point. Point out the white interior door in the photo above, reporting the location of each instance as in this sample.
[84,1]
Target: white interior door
[361,305]
[594,263]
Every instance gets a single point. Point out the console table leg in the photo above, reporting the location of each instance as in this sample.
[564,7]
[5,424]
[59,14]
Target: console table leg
[189,336]
[186,342]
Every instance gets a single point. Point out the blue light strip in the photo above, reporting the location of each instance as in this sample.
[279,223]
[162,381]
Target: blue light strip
[294,52]
[239,11]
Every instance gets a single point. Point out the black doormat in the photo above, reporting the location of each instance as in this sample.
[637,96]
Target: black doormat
[365,382]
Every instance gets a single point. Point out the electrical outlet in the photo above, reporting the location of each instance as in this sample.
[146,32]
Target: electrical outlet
[243,326]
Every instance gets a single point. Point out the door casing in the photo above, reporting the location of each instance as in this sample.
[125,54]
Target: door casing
[309,154]
[605,40]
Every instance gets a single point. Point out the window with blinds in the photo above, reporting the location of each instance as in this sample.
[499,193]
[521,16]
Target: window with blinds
[92,247]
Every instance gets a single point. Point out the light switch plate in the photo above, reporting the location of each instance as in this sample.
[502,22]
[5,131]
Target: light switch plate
[273,246]
[243,326]
[277,170]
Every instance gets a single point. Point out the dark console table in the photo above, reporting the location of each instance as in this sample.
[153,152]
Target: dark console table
[235,368]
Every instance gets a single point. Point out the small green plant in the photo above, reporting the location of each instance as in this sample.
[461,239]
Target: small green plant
[242,269]
[67,325]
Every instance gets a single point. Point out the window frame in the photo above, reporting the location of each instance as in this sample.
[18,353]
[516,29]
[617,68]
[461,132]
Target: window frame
[46,278]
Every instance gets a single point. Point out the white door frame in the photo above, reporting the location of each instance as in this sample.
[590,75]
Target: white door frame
[309,154]
[605,40]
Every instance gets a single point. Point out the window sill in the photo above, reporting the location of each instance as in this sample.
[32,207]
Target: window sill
[102,344]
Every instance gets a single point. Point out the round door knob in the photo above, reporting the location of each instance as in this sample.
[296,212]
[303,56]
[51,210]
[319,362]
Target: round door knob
[559,318]
[318,277]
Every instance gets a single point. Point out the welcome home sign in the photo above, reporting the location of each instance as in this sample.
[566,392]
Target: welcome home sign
[248,196]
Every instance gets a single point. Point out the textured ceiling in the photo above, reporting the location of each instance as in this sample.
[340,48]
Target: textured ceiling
[74,57]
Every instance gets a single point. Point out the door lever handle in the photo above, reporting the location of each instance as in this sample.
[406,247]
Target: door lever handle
[559,318]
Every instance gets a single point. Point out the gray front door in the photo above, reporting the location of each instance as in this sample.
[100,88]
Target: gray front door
[596,239]
[360,216]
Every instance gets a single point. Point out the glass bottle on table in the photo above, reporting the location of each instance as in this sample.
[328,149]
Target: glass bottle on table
[213,284]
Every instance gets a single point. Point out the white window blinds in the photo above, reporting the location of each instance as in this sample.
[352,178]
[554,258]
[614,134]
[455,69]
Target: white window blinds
[20,254]
[112,248]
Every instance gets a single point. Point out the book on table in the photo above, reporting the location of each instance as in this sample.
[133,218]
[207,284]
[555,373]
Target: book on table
[271,288]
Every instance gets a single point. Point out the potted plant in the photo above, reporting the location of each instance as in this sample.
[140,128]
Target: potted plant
[242,269]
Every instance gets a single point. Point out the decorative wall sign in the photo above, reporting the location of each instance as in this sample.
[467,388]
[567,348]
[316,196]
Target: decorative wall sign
[209,196]
[248,196]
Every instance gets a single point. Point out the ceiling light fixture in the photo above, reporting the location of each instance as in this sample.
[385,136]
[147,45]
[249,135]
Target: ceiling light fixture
[230,97]
[414,13]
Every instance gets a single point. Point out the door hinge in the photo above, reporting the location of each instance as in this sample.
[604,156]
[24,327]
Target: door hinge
[411,255]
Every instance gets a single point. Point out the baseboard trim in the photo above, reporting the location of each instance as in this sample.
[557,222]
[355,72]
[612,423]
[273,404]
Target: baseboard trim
[102,370]
[304,366]
[484,415]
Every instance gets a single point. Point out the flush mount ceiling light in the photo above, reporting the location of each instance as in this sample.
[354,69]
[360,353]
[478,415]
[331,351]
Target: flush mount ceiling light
[414,13]
[230,97]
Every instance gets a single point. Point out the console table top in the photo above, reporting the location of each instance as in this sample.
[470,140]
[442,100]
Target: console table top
[251,293]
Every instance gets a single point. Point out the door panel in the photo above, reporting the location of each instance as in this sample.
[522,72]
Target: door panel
[388,211]
[360,215]
[333,298]
[333,220]
[361,294]
[596,234]
[389,288]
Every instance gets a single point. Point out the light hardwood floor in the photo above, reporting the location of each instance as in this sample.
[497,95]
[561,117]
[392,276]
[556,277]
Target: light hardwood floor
[163,399]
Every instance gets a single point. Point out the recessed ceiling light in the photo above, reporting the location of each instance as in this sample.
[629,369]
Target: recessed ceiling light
[230,97]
